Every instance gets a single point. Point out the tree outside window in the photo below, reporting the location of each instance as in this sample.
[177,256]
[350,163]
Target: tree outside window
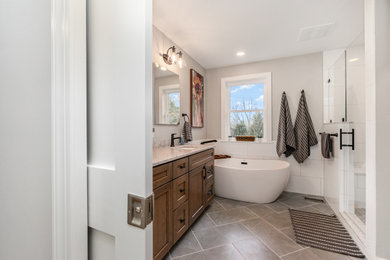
[247,110]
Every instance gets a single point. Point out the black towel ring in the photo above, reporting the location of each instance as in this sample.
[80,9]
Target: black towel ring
[184,116]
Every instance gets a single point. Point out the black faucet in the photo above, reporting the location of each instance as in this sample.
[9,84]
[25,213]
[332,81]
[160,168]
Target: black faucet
[173,138]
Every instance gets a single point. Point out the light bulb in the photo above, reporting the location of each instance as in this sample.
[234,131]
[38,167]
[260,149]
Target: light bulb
[173,57]
[180,63]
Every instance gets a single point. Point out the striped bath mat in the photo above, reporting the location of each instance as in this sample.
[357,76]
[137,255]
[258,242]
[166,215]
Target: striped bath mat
[323,232]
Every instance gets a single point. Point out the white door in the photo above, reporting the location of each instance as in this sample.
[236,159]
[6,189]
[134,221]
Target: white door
[119,37]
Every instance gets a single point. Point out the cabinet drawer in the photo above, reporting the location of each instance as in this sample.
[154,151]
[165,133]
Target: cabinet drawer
[201,158]
[162,174]
[180,221]
[180,190]
[180,167]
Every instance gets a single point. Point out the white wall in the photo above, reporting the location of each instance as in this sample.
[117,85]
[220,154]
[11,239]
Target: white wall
[163,133]
[25,116]
[290,74]
[382,121]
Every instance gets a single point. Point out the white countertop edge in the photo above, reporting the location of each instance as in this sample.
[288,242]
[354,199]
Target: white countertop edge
[181,153]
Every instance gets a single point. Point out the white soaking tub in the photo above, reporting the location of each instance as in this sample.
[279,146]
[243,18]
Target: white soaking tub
[252,180]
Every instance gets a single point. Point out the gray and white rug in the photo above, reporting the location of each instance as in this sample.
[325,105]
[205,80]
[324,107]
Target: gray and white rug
[324,232]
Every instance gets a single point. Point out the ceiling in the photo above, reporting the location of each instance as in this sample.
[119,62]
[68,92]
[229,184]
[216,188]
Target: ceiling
[213,31]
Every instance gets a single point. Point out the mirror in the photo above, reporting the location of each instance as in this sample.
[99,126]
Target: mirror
[166,97]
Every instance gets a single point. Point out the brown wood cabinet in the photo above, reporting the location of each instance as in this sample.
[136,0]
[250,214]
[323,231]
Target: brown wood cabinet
[182,190]
[197,192]
[162,222]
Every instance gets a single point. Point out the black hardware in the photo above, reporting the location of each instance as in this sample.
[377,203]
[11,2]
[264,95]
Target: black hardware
[210,192]
[182,220]
[353,139]
[185,115]
[173,138]
[182,166]
[245,163]
[204,172]
[181,190]
[335,134]
[209,141]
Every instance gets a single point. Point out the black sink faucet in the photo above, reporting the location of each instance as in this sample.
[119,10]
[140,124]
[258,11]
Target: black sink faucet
[173,138]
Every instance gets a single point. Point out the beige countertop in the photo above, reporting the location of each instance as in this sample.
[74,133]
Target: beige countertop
[166,154]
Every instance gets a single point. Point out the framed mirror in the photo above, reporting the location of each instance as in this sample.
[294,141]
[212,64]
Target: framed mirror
[166,97]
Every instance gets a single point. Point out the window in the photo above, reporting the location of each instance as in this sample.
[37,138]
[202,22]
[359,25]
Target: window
[246,106]
[169,104]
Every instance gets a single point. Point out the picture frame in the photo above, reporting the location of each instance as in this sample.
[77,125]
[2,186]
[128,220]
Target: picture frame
[197,99]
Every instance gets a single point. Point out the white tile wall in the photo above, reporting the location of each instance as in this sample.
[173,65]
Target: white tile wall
[305,178]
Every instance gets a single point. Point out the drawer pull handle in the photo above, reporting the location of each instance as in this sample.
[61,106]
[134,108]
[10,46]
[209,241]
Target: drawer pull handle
[182,166]
[204,172]
[182,220]
[181,190]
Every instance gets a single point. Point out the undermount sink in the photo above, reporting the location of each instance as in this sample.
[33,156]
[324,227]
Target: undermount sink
[186,147]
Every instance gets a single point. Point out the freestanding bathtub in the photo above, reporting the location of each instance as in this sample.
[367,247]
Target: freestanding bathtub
[252,180]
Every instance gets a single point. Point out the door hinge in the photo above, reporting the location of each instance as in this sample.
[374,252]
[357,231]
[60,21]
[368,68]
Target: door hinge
[139,210]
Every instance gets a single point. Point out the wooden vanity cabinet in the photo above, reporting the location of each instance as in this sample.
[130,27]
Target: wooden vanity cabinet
[182,190]
[197,193]
[162,222]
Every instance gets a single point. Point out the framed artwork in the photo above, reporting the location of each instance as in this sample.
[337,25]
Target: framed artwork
[197,99]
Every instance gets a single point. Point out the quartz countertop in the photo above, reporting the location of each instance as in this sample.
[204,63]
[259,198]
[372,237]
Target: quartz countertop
[166,154]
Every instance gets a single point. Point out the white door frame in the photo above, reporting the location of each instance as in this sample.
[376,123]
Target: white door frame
[69,139]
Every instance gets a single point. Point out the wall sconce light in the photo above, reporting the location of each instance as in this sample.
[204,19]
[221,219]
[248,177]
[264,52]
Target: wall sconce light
[173,57]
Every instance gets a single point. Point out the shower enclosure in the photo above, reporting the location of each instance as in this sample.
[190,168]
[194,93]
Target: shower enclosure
[344,109]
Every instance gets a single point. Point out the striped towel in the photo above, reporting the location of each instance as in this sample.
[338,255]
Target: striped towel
[286,143]
[304,131]
[187,132]
[326,145]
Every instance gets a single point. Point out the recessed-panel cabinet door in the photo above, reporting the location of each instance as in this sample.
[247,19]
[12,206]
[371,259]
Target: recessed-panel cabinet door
[196,192]
[162,223]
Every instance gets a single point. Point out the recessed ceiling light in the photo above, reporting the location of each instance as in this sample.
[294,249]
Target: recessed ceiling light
[354,59]
[163,68]
[240,53]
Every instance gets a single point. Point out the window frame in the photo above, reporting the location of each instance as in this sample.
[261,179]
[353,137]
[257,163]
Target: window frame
[258,78]
[164,91]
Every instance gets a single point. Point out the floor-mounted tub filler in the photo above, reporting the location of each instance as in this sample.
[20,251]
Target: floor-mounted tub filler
[252,180]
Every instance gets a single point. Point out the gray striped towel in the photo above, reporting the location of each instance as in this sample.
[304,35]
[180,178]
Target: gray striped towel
[187,132]
[326,145]
[304,131]
[286,143]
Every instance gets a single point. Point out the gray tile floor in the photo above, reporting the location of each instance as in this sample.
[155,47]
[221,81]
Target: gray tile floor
[232,230]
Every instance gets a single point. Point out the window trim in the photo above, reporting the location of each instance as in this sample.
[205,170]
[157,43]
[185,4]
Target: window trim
[227,82]
[164,90]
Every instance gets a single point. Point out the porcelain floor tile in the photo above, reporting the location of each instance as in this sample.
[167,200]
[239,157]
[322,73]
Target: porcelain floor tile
[254,249]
